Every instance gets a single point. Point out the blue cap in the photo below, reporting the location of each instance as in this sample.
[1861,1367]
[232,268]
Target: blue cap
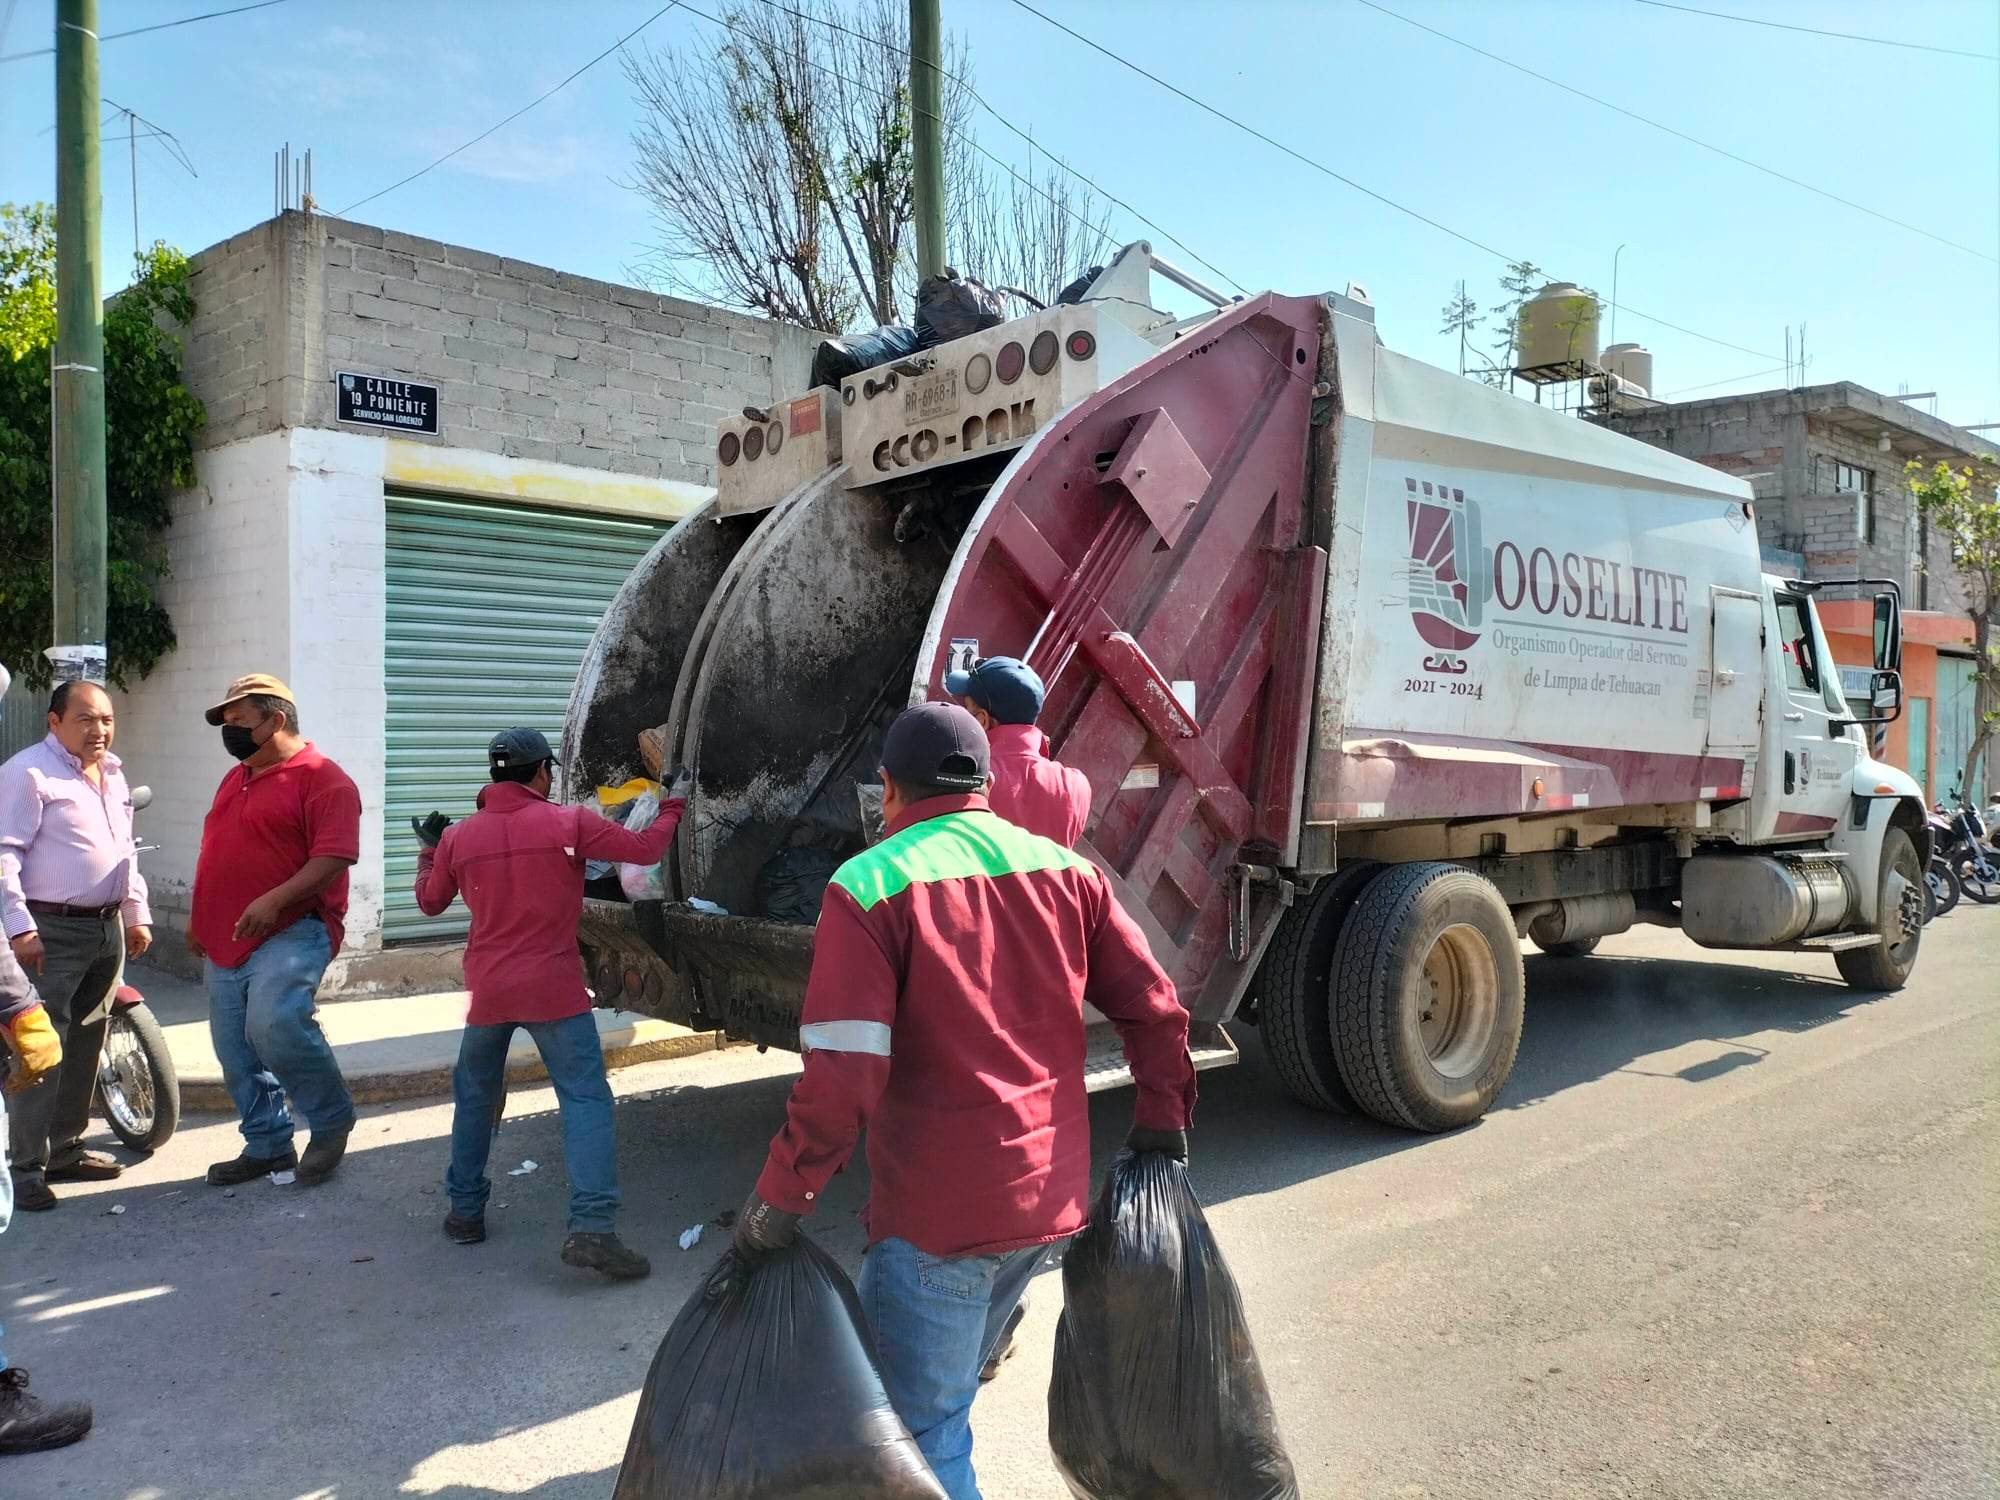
[1004,686]
[520,746]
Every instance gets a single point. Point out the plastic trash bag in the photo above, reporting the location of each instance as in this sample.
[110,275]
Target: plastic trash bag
[1156,1392]
[642,882]
[836,359]
[767,1386]
[1073,293]
[792,884]
[949,306]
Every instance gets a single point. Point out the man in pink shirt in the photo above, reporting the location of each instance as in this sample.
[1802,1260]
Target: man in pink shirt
[75,907]
[518,863]
[1030,790]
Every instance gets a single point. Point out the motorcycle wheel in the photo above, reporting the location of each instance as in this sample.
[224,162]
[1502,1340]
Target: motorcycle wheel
[1980,878]
[1944,884]
[137,1088]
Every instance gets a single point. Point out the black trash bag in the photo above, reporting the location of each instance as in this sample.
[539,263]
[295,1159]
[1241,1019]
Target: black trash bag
[836,359]
[793,882]
[766,1386]
[949,306]
[1073,293]
[1156,1392]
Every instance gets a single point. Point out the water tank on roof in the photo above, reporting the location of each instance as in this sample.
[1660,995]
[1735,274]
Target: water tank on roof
[1558,325]
[1631,363]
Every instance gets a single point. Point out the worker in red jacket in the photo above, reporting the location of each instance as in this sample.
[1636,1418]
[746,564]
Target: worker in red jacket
[518,862]
[1040,794]
[944,1014]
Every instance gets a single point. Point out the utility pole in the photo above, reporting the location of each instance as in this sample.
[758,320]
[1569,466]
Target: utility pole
[927,134]
[78,377]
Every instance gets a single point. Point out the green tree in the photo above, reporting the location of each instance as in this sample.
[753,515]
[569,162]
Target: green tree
[150,421]
[1462,316]
[1963,508]
[1520,281]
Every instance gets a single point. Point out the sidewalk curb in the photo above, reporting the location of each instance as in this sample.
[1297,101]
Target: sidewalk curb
[208,1096]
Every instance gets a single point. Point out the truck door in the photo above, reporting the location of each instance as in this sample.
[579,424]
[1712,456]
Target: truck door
[1813,766]
[1736,673]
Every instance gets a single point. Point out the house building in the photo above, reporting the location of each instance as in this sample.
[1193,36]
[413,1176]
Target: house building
[425,473]
[1827,465]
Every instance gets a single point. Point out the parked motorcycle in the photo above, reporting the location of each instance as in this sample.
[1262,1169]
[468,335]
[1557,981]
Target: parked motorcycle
[138,1091]
[1966,851]
[1941,880]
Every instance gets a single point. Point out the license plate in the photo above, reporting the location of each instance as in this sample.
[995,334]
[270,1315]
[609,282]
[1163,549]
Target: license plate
[931,396]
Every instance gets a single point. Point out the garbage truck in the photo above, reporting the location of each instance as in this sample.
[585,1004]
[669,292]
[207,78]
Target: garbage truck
[1375,672]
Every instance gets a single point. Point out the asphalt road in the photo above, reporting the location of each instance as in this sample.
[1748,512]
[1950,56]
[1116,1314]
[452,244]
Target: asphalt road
[1730,1232]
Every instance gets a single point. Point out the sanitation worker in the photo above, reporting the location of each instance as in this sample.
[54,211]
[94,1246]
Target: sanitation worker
[944,1014]
[1030,788]
[518,862]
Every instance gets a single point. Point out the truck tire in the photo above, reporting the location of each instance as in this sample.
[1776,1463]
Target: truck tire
[1427,997]
[1294,1008]
[1886,964]
[1581,948]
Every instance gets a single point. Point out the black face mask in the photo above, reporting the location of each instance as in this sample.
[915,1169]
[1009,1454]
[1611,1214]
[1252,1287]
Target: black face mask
[239,742]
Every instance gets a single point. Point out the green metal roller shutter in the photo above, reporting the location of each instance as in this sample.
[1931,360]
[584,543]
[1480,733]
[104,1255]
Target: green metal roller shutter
[490,608]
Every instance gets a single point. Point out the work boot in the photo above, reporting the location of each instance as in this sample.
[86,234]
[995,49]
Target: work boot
[606,1253]
[1004,1350]
[463,1230]
[29,1424]
[248,1168]
[323,1154]
[89,1166]
[32,1195]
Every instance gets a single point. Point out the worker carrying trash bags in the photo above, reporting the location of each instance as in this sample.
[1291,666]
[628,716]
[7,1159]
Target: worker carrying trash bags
[944,1014]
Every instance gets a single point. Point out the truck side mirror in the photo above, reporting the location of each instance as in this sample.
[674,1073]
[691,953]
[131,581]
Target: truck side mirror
[1885,702]
[1888,634]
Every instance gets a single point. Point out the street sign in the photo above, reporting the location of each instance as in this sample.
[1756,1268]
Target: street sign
[375,401]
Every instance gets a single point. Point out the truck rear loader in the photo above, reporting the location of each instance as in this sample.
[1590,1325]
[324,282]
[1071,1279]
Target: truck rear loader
[1374,671]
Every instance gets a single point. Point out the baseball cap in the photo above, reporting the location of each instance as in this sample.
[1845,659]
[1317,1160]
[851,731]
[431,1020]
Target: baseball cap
[1005,686]
[260,684]
[936,744]
[519,746]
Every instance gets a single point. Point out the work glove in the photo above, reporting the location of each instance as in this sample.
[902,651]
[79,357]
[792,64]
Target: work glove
[680,785]
[430,829]
[1172,1142]
[762,1230]
[37,1049]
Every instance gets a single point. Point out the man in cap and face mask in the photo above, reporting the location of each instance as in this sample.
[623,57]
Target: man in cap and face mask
[269,901]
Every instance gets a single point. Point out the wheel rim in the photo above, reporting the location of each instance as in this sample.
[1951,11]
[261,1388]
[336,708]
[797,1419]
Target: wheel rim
[1459,996]
[125,1080]
[1904,921]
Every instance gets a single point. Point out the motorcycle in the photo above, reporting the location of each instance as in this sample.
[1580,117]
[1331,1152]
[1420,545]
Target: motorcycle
[138,1092]
[1966,852]
[1941,880]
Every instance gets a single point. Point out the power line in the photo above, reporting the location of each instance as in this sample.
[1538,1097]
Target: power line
[1710,385]
[1321,167]
[1033,144]
[112,36]
[406,181]
[1845,36]
[1678,134]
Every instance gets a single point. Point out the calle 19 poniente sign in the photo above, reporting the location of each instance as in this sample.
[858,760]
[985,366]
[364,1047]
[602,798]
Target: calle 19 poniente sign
[376,401]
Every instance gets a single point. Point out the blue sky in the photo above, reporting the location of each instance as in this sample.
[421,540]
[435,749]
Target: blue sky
[377,89]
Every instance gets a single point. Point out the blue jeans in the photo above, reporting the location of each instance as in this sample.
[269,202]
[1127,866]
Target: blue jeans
[260,1018]
[936,1319]
[575,1061]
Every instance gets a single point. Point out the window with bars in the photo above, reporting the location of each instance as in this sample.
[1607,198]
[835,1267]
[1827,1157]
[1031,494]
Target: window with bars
[1850,479]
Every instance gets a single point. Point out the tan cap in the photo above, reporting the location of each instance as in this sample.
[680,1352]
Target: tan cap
[262,683]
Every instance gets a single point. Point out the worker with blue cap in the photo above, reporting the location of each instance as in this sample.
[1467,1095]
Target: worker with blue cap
[1030,789]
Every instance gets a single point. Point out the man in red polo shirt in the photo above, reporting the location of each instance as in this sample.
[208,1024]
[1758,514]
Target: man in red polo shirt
[944,1014]
[270,897]
[1029,788]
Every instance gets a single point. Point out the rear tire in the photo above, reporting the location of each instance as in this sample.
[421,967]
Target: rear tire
[1944,884]
[1581,948]
[1979,876]
[1428,997]
[138,1091]
[1294,1009]
[1886,963]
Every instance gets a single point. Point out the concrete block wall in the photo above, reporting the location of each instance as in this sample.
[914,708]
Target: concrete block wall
[230,361]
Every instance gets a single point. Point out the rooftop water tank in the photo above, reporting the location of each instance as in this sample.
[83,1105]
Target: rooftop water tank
[1632,363]
[1558,325]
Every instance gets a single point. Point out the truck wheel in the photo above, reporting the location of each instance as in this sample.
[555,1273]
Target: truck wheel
[1581,948]
[1886,965]
[1427,998]
[1294,1013]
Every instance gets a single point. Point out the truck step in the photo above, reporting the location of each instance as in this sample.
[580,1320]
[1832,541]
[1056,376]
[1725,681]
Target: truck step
[1837,942]
[1104,1056]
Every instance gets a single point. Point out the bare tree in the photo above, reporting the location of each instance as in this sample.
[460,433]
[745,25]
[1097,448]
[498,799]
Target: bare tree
[778,163]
